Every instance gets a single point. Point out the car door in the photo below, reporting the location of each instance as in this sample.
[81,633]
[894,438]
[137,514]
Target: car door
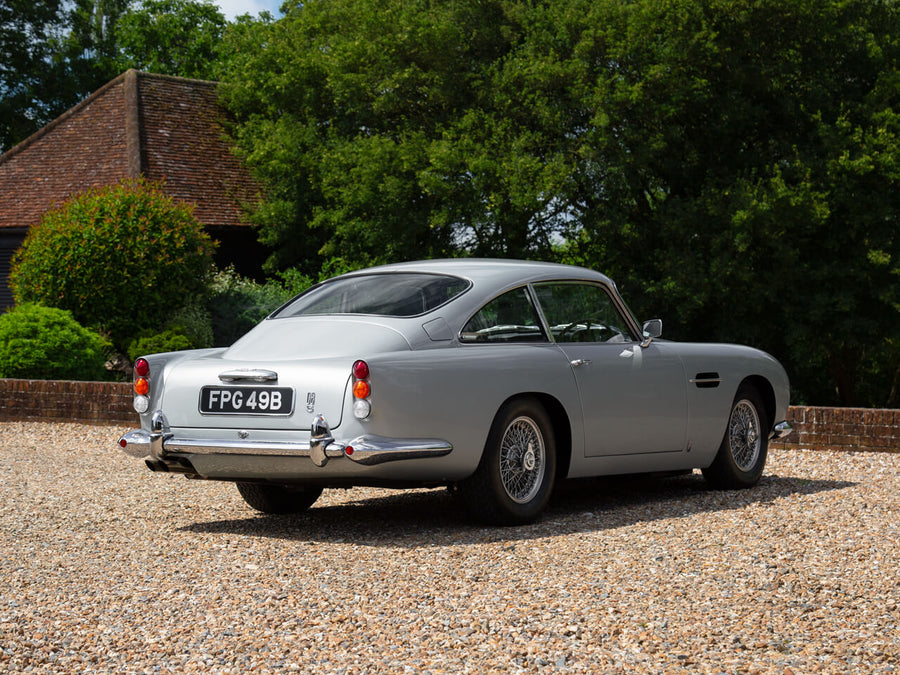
[634,399]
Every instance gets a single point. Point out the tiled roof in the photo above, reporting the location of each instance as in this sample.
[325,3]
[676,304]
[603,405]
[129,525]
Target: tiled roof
[161,127]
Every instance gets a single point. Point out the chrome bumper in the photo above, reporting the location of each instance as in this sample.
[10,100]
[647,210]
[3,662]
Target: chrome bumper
[781,430]
[366,450]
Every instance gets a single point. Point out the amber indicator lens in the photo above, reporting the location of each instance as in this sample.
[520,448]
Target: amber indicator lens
[361,389]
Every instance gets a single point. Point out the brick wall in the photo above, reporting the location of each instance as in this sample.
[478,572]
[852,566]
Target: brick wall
[55,400]
[860,429]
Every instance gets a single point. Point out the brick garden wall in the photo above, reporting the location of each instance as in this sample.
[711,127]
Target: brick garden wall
[860,429]
[63,401]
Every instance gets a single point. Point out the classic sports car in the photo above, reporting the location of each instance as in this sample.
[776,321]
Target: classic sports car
[496,378]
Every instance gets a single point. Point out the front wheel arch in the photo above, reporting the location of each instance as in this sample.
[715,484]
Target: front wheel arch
[767,396]
[741,458]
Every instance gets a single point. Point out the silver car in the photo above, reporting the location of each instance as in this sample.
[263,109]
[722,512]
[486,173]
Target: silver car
[495,378]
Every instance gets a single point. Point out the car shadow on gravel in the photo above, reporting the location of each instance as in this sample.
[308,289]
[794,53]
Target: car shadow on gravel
[417,518]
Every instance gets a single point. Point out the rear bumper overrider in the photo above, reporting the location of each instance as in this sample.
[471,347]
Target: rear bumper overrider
[159,443]
[781,430]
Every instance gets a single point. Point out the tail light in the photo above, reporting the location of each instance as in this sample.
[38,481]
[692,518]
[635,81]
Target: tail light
[141,385]
[362,390]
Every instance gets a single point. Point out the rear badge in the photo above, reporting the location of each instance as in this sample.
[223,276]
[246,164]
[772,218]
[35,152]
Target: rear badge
[310,401]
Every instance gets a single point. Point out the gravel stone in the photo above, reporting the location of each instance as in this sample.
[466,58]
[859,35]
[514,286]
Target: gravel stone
[106,567]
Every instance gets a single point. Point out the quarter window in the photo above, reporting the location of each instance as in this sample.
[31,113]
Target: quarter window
[581,313]
[508,318]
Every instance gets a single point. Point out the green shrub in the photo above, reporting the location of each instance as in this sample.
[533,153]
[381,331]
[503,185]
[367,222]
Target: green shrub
[44,343]
[193,321]
[170,340]
[117,257]
[237,304]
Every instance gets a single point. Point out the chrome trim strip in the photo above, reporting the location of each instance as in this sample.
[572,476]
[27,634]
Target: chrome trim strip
[249,374]
[705,380]
[365,450]
[371,450]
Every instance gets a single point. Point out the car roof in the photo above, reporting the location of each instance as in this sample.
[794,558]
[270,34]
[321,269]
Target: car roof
[495,272]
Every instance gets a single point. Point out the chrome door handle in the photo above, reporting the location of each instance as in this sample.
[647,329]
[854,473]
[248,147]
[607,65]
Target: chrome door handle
[577,363]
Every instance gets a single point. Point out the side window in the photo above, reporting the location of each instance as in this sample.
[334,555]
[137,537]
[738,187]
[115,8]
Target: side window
[508,318]
[581,313]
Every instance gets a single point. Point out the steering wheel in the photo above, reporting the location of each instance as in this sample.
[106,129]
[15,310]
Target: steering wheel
[586,323]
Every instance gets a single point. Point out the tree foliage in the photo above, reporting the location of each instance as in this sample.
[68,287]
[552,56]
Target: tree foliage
[171,37]
[343,103]
[742,170]
[168,37]
[121,259]
[733,163]
[26,33]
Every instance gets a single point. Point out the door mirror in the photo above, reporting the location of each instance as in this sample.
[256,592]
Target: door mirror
[653,329]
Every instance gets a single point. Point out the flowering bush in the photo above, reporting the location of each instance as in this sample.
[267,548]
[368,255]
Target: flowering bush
[119,258]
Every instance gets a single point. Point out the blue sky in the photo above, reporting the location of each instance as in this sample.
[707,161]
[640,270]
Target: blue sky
[233,8]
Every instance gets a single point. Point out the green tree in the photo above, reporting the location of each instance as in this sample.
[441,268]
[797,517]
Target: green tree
[122,259]
[341,105]
[27,30]
[168,37]
[740,175]
[732,163]
[171,37]
[87,53]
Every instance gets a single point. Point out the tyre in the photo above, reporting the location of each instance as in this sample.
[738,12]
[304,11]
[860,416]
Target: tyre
[742,454]
[513,481]
[279,498]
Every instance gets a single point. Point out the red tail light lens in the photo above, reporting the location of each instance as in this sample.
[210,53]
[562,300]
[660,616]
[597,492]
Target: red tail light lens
[142,367]
[362,407]
[141,385]
[361,370]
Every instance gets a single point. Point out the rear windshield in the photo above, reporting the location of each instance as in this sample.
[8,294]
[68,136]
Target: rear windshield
[398,294]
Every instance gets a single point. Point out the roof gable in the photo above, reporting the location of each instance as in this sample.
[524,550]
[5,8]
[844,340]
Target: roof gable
[164,128]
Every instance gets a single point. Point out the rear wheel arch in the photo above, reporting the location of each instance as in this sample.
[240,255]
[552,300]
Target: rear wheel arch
[562,430]
[518,466]
[562,427]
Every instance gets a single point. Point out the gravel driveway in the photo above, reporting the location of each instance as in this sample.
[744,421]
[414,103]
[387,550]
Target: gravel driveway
[106,567]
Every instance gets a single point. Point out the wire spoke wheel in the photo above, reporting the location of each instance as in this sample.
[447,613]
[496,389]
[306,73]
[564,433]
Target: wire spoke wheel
[515,476]
[741,458]
[522,460]
[744,435]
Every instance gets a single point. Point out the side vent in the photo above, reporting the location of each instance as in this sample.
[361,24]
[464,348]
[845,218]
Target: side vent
[707,380]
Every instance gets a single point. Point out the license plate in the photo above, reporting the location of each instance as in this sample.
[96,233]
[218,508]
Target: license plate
[247,400]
